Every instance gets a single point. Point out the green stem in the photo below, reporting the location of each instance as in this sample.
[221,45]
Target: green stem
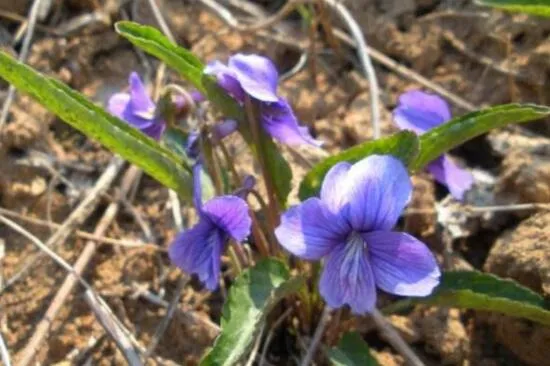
[211,163]
[235,262]
[260,153]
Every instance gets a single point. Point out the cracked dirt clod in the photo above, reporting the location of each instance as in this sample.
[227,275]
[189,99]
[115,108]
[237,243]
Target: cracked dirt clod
[445,335]
[316,99]
[351,124]
[22,130]
[525,177]
[387,358]
[524,255]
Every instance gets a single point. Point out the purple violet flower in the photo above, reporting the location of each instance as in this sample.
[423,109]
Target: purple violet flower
[256,76]
[350,226]
[199,249]
[137,108]
[420,112]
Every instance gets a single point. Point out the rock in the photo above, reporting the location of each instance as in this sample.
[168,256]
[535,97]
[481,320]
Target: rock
[445,335]
[524,255]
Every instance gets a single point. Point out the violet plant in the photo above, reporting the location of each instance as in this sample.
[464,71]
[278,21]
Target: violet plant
[348,219]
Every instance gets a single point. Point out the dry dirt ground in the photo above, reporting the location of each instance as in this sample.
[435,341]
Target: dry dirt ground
[47,168]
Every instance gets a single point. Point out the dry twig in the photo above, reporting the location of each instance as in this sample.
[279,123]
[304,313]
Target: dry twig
[77,217]
[113,327]
[165,322]
[43,327]
[308,358]
[366,63]
[4,354]
[395,339]
[212,327]
[81,234]
[271,333]
[255,349]
[485,60]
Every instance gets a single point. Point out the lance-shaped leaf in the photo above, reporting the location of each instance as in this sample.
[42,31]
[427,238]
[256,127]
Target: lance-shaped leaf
[352,350]
[152,41]
[534,7]
[482,291]
[403,145]
[250,299]
[441,139]
[95,122]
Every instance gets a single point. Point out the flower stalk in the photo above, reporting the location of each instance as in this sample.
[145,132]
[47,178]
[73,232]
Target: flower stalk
[273,211]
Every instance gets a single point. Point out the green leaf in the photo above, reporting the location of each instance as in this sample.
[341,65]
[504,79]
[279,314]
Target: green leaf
[251,297]
[403,145]
[458,130]
[152,41]
[95,122]
[534,7]
[482,291]
[352,350]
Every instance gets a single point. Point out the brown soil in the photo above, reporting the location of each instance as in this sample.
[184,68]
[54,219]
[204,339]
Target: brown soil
[47,168]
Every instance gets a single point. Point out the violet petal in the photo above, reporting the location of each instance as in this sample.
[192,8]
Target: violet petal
[227,79]
[332,192]
[198,251]
[458,180]
[224,128]
[197,186]
[193,145]
[140,101]
[419,111]
[154,130]
[280,122]
[377,188]
[117,104]
[402,265]
[230,214]
[309,230]
[347,278]
[257,76]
